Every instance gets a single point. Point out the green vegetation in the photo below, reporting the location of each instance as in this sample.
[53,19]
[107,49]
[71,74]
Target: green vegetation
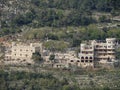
[37,57]
[53,45]
[53,13]
[29,81]
[52,57]
[61,38]
[64,80]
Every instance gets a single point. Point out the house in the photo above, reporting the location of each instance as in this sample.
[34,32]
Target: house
[97,50]
[21,52]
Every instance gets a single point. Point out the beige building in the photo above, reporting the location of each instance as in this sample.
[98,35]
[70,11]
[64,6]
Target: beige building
[86,55]
[97,50]
[20,51]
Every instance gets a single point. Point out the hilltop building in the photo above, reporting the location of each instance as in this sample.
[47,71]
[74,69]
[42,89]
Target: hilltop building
[101,51]
[22,52]
[97,50]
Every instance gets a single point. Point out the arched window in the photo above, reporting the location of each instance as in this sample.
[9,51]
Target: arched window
[86,60]
[86,57]
[90,57]
[71,60]
[82,57]
[78,61]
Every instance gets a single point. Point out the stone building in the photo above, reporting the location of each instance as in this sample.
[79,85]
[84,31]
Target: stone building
[97,50]
[20,51]
[86,55]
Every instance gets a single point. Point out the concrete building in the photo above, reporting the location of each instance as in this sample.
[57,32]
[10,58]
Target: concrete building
[86,55]
[20,51]
[97,50]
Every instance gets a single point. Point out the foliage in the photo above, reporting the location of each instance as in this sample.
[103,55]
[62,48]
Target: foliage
[53,13]
[56,45]
[104,19]
[37,57]
[60,37]
[28,81]
[52,57]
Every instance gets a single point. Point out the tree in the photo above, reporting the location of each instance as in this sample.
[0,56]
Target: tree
[37,57]
[52,57]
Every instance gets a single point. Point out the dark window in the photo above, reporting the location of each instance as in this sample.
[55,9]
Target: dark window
[78,61]
[82,57]
[90,57]
[86,60]
[71,60]
[82,60]
[91,61]
[86,57]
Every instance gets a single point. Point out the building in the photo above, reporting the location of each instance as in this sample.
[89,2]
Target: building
[97,50]
[86,55]
[21,52]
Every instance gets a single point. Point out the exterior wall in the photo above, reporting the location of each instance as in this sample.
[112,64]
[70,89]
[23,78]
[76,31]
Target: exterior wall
[86,55]
[103,51]
[21,52]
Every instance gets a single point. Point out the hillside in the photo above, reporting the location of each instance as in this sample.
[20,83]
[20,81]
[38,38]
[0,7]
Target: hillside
[53,13]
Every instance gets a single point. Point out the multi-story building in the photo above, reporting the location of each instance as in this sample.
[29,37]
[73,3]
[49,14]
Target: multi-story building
[86,55]
[22,51]
[97,50]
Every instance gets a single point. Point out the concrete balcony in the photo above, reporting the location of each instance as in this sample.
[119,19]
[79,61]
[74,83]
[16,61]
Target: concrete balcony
[110,52]
[101,52]
[102,56]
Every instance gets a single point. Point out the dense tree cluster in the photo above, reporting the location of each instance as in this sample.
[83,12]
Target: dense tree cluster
[30,81]
[73,35]
[19,80]
[101,5]
[53,13]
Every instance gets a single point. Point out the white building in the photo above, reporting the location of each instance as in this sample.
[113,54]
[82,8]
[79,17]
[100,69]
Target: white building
[22,52]
[97,50]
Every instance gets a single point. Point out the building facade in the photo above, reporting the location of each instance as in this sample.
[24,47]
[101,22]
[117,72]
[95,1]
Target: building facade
[97,50]
[22,51]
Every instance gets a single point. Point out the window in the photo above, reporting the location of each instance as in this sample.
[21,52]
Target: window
[20,54]
[78,61]
[90,47]
[86,60]
[86,57]
[82,57]
[26,55]
[90,61]
[14,49]
[105,46]
[90,57]
[109,46]
[82,60]
[20,49]
[97,46]
[71,60]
